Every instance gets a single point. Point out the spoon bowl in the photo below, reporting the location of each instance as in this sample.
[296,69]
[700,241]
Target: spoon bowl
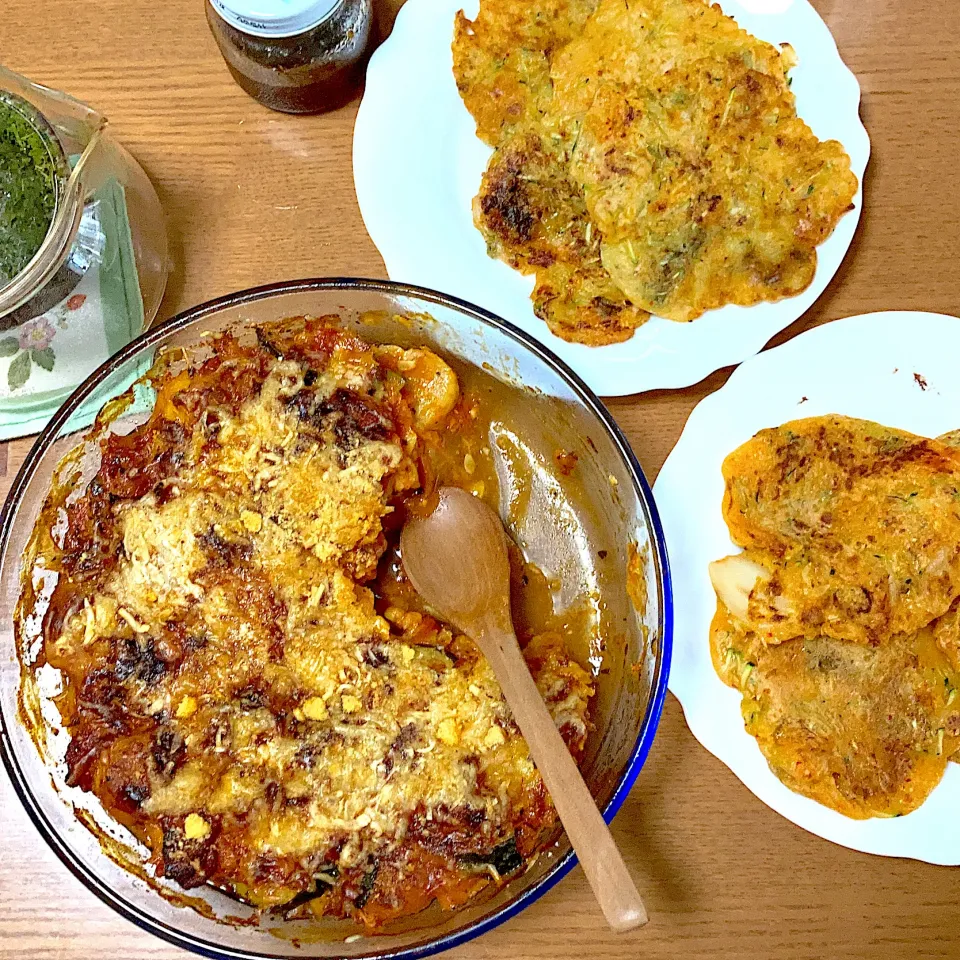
[456,559]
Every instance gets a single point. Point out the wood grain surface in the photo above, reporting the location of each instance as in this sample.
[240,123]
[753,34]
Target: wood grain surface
[252,196]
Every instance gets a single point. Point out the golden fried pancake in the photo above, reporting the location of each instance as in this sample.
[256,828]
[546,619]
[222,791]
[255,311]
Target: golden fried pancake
[580,303]
[707,188]
[866,731]
[530,212]
[633,45]
[501,91]
[533,217]
[676,177]
[501,59]
[851,531]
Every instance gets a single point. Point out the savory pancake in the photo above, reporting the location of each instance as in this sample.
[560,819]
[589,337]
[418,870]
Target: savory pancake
[533,217]
[840,621]
[501,59]
[708,189]
[529,210]
[866,731]
[502,90]
[705,185]
[633,45]
[648,160]
[851,531]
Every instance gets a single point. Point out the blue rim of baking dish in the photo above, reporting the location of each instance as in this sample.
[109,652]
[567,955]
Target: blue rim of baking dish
[642,488]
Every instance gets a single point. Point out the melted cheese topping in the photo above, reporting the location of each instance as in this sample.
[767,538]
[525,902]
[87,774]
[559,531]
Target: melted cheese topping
[293,732]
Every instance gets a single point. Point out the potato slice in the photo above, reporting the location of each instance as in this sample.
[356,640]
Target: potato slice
[432,385]
[734,578]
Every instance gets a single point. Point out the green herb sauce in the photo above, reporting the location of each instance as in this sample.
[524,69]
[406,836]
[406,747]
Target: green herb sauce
[28,191]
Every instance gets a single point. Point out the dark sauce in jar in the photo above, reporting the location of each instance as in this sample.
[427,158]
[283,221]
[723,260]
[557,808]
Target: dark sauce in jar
[311,71]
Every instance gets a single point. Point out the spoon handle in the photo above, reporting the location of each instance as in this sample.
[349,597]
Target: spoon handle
[589,835]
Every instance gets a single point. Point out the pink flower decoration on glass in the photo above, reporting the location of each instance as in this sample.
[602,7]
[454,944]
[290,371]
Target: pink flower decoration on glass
[36,334]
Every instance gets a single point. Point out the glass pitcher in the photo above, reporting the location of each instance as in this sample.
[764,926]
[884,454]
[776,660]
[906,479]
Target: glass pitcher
[98,277]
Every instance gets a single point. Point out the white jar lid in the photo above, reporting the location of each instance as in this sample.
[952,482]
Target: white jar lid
[273,18]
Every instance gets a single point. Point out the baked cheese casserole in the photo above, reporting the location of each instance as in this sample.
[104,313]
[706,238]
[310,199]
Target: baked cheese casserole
[249,684]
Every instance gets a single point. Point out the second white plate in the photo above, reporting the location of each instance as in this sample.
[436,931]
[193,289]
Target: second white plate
[898,369]
[417,165]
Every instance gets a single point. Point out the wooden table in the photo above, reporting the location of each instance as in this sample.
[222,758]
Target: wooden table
[254,196]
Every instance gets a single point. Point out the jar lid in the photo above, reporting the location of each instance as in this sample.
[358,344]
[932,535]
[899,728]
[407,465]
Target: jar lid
[274,18]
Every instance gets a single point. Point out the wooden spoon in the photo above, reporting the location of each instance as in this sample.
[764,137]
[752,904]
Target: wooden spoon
[456,559]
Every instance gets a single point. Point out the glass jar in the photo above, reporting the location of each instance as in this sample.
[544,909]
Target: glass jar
[295,56]
[96,280]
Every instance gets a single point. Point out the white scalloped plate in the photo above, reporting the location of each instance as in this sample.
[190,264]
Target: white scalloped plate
[899,369]
[417,164]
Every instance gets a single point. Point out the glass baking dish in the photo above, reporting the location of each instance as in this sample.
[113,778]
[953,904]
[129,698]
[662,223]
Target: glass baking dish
[549,407]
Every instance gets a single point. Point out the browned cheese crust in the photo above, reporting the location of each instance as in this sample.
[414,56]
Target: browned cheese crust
[248,685]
